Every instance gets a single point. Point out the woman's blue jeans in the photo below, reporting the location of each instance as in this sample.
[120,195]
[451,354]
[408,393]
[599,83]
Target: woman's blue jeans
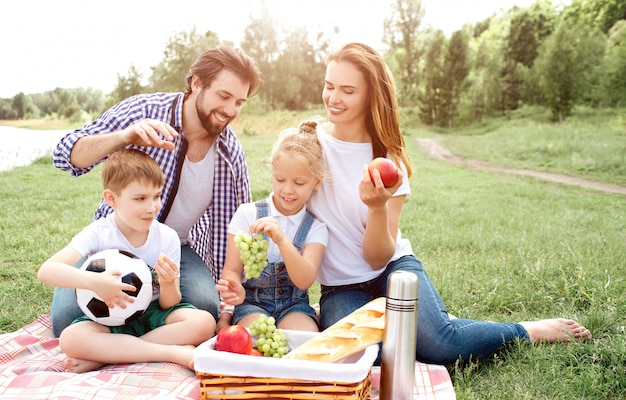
[196,286]
[440,340]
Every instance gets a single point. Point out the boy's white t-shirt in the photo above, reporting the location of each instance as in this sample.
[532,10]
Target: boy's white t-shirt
[246,214]
[103,234]
[337,203]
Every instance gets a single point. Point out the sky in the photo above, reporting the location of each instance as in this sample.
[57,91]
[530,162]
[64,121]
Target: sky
[87,43]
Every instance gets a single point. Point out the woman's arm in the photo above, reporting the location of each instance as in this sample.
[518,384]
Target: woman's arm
[383,220]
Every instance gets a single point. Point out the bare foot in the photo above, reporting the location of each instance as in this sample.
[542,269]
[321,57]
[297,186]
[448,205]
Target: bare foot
[555,330]
[184,356]
[79,365]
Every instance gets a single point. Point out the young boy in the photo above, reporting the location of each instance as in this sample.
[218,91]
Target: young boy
[168,330]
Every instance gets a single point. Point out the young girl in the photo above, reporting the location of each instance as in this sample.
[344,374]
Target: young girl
[365,245]
[297,239]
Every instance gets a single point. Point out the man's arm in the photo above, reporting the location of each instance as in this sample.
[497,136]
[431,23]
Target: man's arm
[88,150]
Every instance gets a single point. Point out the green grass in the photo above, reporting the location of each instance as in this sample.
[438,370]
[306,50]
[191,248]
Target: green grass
[591,144]
[498,247]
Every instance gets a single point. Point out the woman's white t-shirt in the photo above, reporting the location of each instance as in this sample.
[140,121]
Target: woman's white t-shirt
[337,203]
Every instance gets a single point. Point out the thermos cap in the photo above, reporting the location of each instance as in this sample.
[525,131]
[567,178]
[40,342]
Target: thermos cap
[402,285]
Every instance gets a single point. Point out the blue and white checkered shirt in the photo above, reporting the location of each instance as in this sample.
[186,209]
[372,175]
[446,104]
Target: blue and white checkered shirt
[231,184]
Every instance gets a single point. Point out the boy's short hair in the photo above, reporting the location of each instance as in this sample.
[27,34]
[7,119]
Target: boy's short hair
[125,166]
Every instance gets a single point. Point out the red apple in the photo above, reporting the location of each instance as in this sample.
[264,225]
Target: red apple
[386,168]
[234,339]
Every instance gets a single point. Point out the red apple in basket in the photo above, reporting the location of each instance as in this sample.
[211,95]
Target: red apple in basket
[234,339]
[386,168]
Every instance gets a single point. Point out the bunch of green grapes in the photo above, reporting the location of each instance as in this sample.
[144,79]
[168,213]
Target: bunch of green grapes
[253,253]
[271,342]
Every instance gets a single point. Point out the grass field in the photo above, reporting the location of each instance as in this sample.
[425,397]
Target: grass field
[499,247]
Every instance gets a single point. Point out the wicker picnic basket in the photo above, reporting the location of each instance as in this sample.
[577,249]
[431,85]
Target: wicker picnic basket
[234,387]
[234,376]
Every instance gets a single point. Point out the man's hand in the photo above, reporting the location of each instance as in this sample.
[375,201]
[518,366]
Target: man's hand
[146,133]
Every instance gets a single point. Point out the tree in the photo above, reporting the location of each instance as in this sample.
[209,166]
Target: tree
[600,14]
[90,100]
[566,63]
[613,75]
[300,70]
[432,77]
[19,104]
[455,69]
[400,31]
[182,49]
[63,103]
[528,28]
[261,43]
[484,85]
[127,86]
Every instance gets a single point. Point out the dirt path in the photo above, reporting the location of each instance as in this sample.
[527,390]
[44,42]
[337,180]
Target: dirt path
[434,148]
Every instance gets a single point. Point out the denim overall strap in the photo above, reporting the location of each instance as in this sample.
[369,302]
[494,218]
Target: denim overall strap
[303,229]
[274,283]
[261,211]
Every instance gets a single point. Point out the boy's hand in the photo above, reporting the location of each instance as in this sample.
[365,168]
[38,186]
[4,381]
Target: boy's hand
[166,270]
[232,293]
[111,290]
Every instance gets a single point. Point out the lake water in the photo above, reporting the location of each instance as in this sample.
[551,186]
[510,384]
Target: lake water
[21,146]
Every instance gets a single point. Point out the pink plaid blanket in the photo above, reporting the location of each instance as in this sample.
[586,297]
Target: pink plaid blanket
[31,367]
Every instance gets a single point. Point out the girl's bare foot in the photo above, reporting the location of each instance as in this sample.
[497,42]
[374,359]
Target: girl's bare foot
[79,365]
[555,330]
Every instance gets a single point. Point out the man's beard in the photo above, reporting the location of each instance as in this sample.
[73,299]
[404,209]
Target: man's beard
[214,129]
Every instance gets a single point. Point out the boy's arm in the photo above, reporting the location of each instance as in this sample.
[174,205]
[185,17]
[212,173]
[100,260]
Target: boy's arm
[169,282]
[59,271]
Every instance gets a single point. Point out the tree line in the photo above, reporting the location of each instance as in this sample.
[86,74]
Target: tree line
[544,54]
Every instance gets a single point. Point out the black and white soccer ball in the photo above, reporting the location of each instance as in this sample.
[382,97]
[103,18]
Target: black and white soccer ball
[133,271]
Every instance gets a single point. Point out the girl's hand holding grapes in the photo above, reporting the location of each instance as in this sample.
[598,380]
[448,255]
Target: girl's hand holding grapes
[253,253]
[232,293]
[270,227]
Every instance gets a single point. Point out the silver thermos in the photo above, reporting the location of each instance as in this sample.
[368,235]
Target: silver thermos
[397,369]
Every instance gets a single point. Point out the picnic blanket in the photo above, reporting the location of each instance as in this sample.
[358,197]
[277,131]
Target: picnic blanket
[31,367]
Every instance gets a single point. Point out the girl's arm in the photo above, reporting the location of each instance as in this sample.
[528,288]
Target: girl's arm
[302,268]
[383,220]
[229,286]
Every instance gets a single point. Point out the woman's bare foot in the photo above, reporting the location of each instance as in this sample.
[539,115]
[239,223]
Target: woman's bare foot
[79,365]
[555,330]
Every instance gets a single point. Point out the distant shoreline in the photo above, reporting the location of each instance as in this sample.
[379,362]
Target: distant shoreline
[21,146]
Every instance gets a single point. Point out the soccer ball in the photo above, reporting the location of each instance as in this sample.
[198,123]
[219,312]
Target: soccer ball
[133,271]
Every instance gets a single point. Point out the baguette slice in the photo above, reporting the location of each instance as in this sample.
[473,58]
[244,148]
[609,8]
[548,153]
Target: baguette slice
[348,336]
